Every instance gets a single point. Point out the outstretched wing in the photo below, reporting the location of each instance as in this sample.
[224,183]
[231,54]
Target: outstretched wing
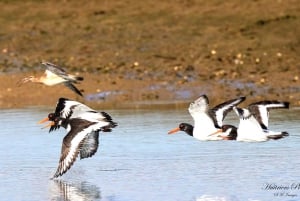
[89,145]
[201,105]
[69,152]
[53,70]
[242,113]
[66,108]
[73,142]
[219,112]
[56,70]
[73,88]
[260,110]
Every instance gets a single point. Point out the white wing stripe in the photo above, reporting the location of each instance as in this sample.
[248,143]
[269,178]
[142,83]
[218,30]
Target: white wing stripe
[71,156]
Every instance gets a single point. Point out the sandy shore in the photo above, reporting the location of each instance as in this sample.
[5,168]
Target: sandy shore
[110,92]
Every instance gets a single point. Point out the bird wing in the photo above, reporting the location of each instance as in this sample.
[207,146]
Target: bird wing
[69,108]
[89,145]
[260,110]
[242,113]
[219,112]
[201,105]
[73,142]
[69,153]
[73,88]
[52,68]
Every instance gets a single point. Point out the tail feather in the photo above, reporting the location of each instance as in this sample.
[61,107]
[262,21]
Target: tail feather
[277,137]
[78,78]
[74,78]
[111,125]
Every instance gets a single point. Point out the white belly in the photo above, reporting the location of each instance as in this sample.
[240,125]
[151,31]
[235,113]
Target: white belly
[204,127]
[250,131]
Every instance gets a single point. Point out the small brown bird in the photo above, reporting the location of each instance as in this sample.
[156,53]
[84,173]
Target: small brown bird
[55,75]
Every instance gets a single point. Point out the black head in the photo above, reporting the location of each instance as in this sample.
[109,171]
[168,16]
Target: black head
[232,135]
[55,121]
[51,116]
[60,121]
[187,128]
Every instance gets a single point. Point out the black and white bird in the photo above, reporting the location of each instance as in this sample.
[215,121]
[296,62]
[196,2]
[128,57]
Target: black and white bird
[77,141]
[73,116]
[55,75]
[208,122]
[67,108]
[254,121]
[226,132]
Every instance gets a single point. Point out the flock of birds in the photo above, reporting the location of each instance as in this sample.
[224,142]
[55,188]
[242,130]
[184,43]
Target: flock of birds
[83,123]
[253,121]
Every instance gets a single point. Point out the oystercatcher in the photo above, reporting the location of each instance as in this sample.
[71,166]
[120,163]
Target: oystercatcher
[73,115]
[79,140]
[208,122]
[254,121]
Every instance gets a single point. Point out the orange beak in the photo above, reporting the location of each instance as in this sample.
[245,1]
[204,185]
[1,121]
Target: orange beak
[43,120]
[217,132]
[174,130]
[49,125]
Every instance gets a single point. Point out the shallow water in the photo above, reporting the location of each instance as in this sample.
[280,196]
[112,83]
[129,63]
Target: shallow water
[139,161]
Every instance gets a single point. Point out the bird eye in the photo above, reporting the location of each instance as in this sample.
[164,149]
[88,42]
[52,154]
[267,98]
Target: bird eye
[50,116]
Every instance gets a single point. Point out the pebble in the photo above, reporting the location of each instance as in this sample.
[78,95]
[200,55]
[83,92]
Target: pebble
[296,78]
[213,52]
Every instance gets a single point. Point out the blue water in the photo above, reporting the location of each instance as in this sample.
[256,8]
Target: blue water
[138,161]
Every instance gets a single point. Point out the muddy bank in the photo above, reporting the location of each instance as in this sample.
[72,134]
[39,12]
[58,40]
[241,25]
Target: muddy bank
[111,92]
[136,54]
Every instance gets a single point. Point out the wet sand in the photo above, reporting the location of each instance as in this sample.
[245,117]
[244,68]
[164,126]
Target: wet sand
[109,92]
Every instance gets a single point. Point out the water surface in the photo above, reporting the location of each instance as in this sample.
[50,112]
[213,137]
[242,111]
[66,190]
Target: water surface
[138,161]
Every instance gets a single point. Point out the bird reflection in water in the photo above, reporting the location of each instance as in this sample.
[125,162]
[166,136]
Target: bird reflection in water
[82,191]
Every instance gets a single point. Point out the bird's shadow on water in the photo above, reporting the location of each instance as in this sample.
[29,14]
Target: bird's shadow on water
[66,191]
